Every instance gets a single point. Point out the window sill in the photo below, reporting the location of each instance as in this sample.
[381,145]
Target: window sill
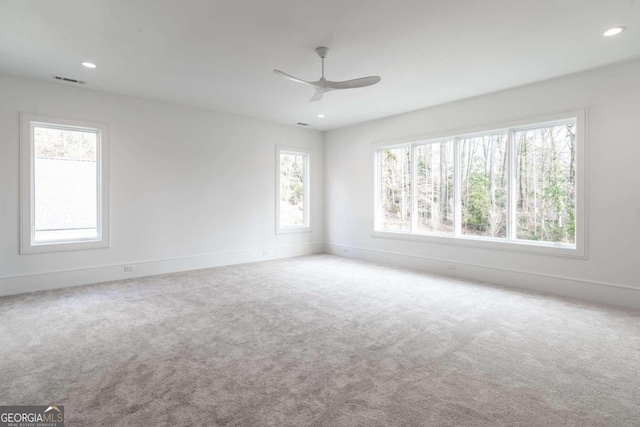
[557,249]
[293,230]
[63,246]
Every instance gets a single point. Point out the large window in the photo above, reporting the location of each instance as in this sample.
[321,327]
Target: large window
[292,189]
[517,186]
[64,184]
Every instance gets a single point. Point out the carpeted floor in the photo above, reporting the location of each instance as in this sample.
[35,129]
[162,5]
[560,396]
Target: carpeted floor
[318,340]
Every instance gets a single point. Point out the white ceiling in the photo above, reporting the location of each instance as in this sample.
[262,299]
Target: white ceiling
[220,54]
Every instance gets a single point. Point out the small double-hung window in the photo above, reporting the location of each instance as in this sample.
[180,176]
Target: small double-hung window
[64,184]
[292,190]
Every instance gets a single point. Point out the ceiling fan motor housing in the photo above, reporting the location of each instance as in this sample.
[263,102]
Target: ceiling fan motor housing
[322,51]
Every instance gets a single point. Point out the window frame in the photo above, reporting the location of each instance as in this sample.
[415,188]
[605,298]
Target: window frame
[280,149]
[579,250]
[27,184]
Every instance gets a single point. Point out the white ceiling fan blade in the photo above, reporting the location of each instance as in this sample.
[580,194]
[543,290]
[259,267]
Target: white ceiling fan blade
[323,85]
[355,83]
[290,77]
[318,95]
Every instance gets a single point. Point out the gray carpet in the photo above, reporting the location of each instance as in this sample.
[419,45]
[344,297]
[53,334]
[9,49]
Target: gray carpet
[318,340]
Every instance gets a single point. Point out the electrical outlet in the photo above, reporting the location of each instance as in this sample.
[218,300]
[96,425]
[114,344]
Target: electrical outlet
[128,268]
[265,252]
[451,266]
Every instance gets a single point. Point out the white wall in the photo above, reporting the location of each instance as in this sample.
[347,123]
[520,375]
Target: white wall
[176,172]
[610,274]
[189,188]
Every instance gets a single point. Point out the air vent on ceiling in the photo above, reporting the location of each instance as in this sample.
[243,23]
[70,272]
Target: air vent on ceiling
[303,124]
[66,79]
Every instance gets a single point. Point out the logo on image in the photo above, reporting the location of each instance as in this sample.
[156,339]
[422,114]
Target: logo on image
[32,416]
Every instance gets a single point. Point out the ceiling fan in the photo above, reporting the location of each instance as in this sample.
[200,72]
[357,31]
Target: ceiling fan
[323,85]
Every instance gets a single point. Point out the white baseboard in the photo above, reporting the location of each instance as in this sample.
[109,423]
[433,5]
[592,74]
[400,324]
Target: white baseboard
[607,293]
[65,278]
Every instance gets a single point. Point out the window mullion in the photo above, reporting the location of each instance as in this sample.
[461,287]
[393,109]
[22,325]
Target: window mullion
[414,192]
[457,192]
[511,187]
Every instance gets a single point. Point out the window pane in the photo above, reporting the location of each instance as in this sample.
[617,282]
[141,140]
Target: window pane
[292,191]
[484,183]
[395,183]
[435,187]
[546,183]
[65,184]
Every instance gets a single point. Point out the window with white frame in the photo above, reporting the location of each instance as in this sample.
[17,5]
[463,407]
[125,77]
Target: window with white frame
[292,188]
[64,170]
[519,185]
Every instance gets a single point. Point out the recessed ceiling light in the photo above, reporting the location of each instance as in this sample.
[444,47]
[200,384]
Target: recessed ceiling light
[89,64]
[321,116]
[613,31]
